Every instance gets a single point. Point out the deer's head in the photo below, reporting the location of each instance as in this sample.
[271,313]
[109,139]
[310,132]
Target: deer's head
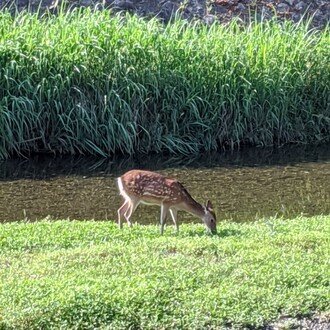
[209,218]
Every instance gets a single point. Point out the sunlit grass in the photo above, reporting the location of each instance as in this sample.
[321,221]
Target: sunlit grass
[89,82]
[66,274]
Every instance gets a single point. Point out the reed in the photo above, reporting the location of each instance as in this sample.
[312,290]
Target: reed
[93,83]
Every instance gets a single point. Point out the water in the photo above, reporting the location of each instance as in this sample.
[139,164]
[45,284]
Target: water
[243,186]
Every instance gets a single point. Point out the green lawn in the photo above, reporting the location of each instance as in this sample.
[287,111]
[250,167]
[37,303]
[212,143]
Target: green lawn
[69,274]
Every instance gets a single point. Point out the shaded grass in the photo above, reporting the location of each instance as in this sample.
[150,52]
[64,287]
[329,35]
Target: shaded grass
[88,82]
[91,274]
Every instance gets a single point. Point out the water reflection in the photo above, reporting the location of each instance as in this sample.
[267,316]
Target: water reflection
[243,185]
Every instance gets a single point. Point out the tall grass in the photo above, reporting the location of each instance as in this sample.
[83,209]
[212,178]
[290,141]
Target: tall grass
[89,82]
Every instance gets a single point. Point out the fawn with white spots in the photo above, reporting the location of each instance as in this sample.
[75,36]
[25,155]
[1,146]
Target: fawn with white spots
[137,186]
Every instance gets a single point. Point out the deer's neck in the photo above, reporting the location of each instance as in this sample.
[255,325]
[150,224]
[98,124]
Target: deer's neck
[194,208]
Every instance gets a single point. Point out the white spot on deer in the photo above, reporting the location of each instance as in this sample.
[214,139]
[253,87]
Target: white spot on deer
[122,190]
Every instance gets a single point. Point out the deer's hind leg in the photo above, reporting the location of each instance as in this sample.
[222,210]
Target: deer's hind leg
[133,204]
[122,211]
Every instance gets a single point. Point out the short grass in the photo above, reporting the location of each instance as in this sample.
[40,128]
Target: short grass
[93,83]
[84,275]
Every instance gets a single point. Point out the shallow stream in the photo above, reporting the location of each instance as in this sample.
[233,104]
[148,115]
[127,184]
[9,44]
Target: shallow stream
[243,185]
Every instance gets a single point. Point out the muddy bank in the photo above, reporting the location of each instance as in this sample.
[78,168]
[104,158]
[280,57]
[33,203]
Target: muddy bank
[317,322]
[208,11]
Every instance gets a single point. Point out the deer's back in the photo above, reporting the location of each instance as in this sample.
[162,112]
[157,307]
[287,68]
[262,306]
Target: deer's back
[152,187]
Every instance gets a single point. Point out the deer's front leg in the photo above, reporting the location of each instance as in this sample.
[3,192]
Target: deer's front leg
[163,214]
[174,215]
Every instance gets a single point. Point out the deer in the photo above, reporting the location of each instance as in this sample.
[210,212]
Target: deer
[151,188]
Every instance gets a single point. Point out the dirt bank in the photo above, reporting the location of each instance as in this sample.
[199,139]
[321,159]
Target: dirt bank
[206,10]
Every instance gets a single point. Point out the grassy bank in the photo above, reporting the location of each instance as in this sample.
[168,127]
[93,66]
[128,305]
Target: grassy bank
[91,274]
[89,83]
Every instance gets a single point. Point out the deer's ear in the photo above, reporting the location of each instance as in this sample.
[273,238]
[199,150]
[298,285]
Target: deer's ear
[209,206]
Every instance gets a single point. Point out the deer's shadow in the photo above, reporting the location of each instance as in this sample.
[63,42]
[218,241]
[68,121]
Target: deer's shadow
[220,234]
